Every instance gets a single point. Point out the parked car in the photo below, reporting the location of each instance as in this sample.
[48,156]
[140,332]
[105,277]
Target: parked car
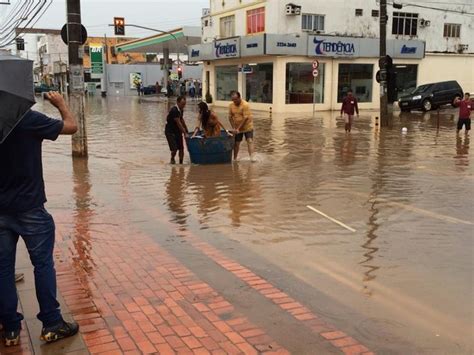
[44,88]
[149,90]
[431,96]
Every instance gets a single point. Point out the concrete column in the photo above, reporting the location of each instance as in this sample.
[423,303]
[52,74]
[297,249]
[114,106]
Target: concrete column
[166,59]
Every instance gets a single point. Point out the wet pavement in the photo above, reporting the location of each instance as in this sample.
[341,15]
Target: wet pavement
[329,243]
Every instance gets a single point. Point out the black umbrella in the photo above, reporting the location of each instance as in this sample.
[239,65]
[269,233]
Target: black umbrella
[16,91]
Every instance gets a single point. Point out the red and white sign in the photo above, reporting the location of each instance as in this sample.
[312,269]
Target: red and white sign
[315,64]
[315,72]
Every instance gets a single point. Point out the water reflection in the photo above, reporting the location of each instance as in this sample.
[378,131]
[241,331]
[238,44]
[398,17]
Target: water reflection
[176,195]
[461,160]
[371,250]
[83,213]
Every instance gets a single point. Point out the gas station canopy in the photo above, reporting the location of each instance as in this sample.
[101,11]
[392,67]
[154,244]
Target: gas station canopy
[174,40]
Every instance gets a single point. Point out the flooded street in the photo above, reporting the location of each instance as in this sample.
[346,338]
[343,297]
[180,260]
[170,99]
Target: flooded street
[395,272]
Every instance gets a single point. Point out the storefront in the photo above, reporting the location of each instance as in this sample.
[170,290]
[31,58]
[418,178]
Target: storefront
[276,71]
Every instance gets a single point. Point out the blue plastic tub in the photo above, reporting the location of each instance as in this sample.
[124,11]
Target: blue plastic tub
[213,150]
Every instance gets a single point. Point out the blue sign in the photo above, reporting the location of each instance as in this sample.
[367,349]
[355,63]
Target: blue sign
[408,50]
[326,47]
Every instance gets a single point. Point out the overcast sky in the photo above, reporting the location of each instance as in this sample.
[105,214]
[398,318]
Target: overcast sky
[97,14]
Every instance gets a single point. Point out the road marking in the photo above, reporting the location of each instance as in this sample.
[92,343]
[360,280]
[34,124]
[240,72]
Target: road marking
[331,219]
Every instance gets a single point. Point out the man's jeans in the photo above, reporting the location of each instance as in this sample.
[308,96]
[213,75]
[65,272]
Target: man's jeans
[36,227]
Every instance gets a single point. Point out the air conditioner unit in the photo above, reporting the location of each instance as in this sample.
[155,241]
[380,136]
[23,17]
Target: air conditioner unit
[462,48]
[424,23]
[292,10]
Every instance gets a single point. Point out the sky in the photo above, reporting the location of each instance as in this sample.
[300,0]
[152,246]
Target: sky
[97,14]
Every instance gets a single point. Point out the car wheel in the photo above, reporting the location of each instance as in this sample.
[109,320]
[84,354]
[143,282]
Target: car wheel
[454,100]
[427,105]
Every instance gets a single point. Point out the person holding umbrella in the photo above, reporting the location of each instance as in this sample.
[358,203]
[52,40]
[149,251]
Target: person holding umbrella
[22,198]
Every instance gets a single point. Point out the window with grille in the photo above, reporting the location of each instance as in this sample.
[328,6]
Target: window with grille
[359,12]
[256,20]
[227,26]
[405,23]
[312,22]
[452,30]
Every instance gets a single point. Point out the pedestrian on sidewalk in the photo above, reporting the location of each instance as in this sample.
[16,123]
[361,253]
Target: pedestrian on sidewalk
[241,120]
[465,108]
[22,213]
[175,129]
[349,105]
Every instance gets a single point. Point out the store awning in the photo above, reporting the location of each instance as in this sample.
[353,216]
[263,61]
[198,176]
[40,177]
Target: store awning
[174,40]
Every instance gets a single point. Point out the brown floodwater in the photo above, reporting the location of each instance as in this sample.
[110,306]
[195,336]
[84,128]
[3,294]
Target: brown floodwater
[397,273]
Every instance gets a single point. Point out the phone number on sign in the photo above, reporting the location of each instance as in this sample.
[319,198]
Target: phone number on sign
[286,44]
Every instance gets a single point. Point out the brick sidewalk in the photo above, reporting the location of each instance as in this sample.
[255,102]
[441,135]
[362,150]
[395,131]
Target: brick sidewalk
[131,296]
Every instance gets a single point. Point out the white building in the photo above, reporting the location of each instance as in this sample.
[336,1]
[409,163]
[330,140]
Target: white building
[265,49]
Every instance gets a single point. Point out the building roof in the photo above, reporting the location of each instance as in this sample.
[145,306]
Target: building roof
[48,31]
[181,37]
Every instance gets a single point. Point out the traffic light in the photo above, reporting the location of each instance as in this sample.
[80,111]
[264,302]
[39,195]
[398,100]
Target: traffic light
[119,26]
[20,44]
[180,72]
[392,88]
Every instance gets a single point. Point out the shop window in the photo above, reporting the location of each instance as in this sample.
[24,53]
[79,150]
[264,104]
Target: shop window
[452,30]
[256,20]
[227,26]
[404,23]
[258,83]
[359,78]
[312,22]
[406,78]
[300,88]
[226,81]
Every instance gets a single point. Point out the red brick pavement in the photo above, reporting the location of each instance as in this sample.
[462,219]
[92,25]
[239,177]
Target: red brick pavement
[135,298]
[327,332]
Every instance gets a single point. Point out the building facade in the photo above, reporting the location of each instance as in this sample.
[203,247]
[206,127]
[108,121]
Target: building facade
[268,50]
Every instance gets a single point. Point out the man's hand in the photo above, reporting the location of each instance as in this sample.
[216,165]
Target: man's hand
[56,99]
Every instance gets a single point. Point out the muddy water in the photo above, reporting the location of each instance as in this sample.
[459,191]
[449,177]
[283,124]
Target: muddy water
[401,283]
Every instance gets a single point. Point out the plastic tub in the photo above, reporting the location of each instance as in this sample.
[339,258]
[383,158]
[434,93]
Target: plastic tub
[213,150]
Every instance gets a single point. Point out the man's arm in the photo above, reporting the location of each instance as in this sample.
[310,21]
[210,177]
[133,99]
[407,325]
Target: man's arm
[231,119]
[180,125]
[70,124]
[247,116]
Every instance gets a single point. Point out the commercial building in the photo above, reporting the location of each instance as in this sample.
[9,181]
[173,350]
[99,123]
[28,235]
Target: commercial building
[266,50]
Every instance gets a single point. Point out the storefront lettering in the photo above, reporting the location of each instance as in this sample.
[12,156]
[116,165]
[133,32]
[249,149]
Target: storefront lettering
[340,48]
[286,44]
[228,50]
[194,53]
[408,50]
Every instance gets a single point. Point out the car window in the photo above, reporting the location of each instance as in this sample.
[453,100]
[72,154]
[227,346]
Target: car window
[421,89]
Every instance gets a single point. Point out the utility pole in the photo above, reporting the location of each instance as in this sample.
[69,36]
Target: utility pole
[384,120]
[76,76]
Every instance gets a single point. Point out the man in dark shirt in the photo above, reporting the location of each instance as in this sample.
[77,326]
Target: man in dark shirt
[349,105]
[175,128]
[22,213]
